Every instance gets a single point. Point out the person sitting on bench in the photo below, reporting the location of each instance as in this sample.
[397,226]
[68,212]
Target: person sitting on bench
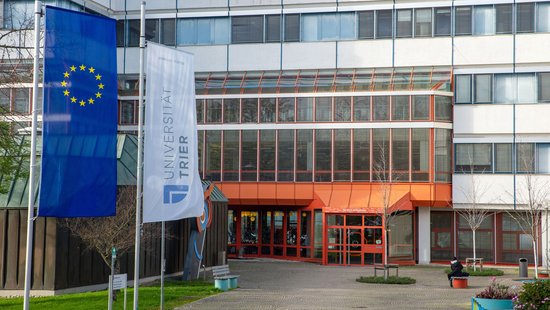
[456,271]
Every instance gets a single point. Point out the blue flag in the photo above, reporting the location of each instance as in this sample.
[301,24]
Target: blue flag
[78,176]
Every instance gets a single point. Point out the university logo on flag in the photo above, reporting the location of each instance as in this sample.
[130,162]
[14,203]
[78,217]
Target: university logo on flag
[172,188]
[78,175]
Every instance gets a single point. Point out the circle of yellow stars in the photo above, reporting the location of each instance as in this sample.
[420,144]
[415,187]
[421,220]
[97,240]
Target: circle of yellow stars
[83,101]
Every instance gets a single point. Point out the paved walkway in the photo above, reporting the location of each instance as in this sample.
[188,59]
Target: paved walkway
[276,284]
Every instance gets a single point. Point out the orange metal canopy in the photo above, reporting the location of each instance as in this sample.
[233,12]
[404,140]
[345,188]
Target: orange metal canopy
[336,196]
[371,199]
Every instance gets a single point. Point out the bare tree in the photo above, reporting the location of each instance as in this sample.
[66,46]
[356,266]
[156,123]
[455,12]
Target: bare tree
[103,233]
[381,171]
[471,209]
[532,200]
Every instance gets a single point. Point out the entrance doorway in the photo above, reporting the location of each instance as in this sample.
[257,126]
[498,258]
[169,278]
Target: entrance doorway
[354,239]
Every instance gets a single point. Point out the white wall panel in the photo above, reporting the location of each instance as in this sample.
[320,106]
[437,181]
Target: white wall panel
[533,118]
[484,50]
[423,52]
[133,5]
[237,3]
[254,57]
[208,58]
[483,119]
[313,55]
[495,190]
[120,60]
[131,59]
[367,53]
[533,48]
[201,4]
[491,189]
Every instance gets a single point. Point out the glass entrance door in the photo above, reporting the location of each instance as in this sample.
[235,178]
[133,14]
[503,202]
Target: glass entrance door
[354,240]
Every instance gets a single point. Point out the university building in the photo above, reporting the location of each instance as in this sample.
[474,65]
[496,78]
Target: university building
[314,115]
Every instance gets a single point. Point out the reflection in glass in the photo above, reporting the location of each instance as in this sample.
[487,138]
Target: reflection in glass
[249,227]
[292,228]
[286,155]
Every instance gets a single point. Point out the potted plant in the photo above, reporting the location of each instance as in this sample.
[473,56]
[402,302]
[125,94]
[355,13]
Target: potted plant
[496,296]
[533,296]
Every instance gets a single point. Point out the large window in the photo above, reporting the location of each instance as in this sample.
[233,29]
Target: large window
[404,23]
[543,17]
[304,109]
[483,88]
[384,20]
[361,108]
[213,155]
[400,155]
[473,157]
[366,25]
[250,110]
[463,20]
[272,28]
[286,110]
[381,108]
[342,109]
[168,31]
[249,155]
[127,112]
[380,155]
[420,154]
[484,20]
[463,89]
[361,154]
[323,155]
[443,158]
[544,87]
[423,22]
[247,29]
[292,28]
[202,31]
[267,155]
[503,158]
[442,21]
[231,155]
[323,109]
[441,240]
[21,100]
[285,153]
[525,13]
[268,110]
[443,108]
[421,108]
[484,239]
[503,18]
[342,155]
[304,155]
[231,109]
[400,108]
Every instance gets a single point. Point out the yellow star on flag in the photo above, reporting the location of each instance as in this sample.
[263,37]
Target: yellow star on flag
[64,83]
[92,69]
[73,68]
[98,77]
[98,95]
[66,92]
[73,99]
[100,86]
[82,67]
[66,74]
[82,103]
[91,101]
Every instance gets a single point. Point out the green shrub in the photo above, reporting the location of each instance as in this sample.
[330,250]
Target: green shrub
[478,273]
[534,296]
[390,280]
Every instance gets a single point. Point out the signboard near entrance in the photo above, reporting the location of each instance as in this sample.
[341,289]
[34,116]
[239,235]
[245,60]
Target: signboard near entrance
[119,281]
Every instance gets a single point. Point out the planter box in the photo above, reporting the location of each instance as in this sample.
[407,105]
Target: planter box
[491,304]
[543,274]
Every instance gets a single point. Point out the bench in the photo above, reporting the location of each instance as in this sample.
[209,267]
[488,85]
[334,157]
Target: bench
[223,280]
[472,262]
[460,282]
[386,268]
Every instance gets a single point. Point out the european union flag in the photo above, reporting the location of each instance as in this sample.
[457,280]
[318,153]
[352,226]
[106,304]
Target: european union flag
[78,176]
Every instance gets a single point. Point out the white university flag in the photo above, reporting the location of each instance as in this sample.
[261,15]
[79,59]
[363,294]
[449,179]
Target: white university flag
[172,187]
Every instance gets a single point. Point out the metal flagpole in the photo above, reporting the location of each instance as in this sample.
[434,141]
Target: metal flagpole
[30,219]
[140,154]
[162,264]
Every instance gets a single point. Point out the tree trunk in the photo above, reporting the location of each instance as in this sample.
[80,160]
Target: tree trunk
[386,250]
[474,248]
[536,260]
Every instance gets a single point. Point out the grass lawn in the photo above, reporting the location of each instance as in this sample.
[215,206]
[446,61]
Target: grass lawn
[176,293]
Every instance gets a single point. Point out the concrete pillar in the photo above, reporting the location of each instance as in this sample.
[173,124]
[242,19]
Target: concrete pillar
[424,235]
